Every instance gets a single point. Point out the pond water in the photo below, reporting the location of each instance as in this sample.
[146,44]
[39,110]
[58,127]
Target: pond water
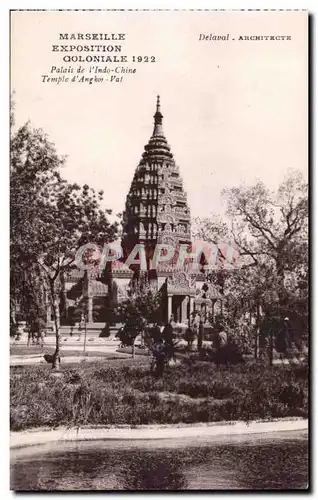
[262,462]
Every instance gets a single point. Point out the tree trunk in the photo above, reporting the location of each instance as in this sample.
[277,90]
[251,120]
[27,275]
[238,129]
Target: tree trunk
[133,349]
[85,335]
[200,336]
[56,316]
[281,285]
[256,350]
[270,348]
[13,313]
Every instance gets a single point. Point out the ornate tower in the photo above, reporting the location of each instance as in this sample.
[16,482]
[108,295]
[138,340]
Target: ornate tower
[156,205]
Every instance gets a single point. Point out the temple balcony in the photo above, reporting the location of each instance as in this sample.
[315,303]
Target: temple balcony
[175,181]
[174,169]
[184,217]
[180,196]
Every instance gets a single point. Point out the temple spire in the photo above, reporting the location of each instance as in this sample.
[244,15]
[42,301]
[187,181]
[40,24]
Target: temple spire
[158,119]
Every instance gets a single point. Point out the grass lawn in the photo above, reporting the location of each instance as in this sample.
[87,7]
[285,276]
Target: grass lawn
[123,391]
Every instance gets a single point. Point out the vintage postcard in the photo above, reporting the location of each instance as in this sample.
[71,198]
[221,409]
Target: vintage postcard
[159,250]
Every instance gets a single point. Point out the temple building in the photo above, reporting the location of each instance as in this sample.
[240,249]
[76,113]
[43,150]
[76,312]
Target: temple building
[156,212]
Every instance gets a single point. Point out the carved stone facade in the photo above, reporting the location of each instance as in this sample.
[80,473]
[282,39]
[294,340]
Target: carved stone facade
[156,212]
[156,205]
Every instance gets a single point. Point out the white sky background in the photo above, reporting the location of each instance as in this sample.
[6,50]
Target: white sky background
[233,111]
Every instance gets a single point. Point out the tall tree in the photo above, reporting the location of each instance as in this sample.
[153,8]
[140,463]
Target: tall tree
[34,168]
[50,218]
[271,233]
[271,229]
[70,218]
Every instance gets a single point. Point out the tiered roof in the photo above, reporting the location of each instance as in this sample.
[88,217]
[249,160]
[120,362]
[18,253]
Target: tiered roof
[156,205]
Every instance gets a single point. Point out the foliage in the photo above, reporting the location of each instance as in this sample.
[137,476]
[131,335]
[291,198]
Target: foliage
[50,220]
[270,231]
[107,395]
[239,329]
[228,354]
[152,334]
[34,166]
[140,308]
[189,336]
[105,331]
[127,335]
[210,229]
[14,330]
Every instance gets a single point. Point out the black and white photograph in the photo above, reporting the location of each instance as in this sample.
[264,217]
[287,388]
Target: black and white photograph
[159,326]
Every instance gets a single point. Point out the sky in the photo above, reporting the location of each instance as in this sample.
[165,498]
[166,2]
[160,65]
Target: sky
[234,110]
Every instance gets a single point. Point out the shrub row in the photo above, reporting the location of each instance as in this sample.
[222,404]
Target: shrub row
[108,395]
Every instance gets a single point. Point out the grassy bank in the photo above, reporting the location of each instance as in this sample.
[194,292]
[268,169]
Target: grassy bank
[99,393]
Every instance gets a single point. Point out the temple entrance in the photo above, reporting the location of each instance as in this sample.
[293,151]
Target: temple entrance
[180,308]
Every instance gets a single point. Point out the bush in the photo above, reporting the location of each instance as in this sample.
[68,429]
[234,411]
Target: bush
[108,395]
[105,331]
[152,334]
[127,335]
[189,336]
[14,330]
[227,355]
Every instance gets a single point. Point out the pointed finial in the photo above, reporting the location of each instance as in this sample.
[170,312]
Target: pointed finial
[158,119]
